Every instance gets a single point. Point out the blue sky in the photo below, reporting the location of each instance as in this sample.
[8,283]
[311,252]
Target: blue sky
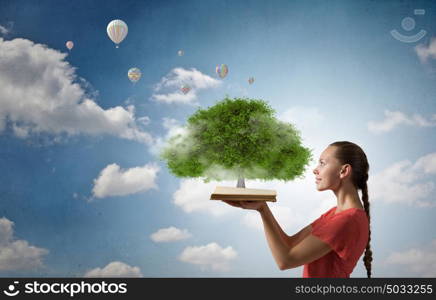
[82,192]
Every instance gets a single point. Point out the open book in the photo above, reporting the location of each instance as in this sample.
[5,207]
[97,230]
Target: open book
[242,194]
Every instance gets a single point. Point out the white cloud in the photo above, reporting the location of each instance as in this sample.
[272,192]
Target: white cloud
[41,94]
[170,234]
[306,118]
[6,29]
[115,269]
[167,90]
[20,131]
[315,128]
[425,52]
[17,254]
[144,120]
[173,128]
[193,195]
[3,30]
[405,182]
[417,262]
[211,256]
[176,97]
[395,118]
[427,163]
[113,181]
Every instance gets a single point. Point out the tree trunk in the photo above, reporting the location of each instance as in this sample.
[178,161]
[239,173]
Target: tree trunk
[241,180]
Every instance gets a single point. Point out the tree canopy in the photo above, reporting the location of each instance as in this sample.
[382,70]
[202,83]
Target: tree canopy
[237,138]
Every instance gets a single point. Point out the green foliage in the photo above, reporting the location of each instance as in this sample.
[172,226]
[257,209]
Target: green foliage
[237,138]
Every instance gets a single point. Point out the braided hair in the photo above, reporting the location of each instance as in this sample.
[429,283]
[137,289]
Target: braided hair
[352,154]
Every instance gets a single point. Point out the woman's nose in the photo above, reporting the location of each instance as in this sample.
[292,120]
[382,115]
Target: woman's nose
[314,171]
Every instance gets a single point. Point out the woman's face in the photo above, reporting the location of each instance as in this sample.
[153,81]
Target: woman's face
[327,173]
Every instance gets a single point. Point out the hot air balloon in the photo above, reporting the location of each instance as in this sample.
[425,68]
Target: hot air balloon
[69,45]
[117,31]
[222,70]
[185,89]
[134,74]
[250,80]
[180,52]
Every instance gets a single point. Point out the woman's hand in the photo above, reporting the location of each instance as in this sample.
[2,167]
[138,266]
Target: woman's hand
[255,205]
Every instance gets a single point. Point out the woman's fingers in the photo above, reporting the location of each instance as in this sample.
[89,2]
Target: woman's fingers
[248,204]
[233,203]
[253,204]
[245,204]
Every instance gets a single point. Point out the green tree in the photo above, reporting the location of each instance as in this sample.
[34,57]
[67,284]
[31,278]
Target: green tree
[237,139]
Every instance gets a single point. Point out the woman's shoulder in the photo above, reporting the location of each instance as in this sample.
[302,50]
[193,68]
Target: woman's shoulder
[331,210]
[349,211]
[355,217]
[328,213]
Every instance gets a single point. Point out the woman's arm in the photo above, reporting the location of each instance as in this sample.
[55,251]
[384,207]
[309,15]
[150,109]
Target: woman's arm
[288,252]
[279,242]
[288,240]
[292,240]
[307,248]
[260,206]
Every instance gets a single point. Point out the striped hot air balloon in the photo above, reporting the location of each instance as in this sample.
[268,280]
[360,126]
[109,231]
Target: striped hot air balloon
[222,70]
[117,31]
[134,74]
[185,89]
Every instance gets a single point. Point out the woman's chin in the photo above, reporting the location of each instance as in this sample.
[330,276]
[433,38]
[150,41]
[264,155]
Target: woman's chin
[320,188]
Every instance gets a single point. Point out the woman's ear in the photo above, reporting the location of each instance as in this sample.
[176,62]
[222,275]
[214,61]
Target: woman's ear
[345,170]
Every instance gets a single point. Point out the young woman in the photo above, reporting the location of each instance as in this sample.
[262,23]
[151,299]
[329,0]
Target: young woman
[332,244]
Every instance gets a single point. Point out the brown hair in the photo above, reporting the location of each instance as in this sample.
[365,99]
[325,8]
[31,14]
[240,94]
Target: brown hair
[350,153]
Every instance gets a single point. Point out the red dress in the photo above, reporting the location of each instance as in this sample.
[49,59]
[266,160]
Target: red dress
[347,234]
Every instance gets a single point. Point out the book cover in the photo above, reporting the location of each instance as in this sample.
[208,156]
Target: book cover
[243,194]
